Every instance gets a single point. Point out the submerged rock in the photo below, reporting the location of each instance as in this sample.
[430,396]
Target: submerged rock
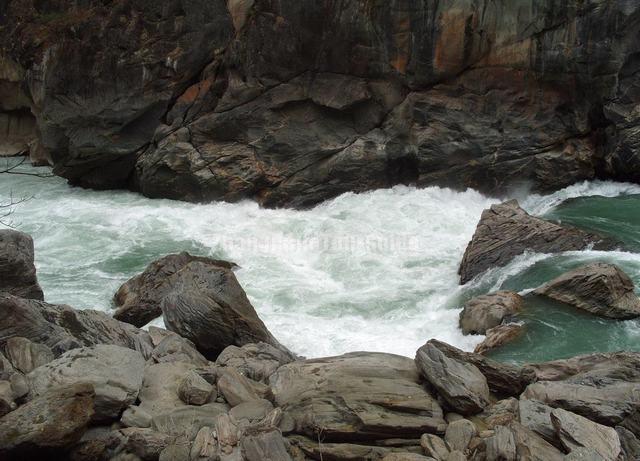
[499,336]
[600,288]
[488,311]
[506,231]
[17,269]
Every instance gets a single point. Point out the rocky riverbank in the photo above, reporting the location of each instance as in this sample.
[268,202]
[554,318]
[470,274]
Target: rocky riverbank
[216,384]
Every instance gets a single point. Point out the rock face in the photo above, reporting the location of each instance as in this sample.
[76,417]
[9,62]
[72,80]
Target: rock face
[227,100]
[575,432]
[506,231]
[487,311]
[17,270]
[600,288]
[357,396]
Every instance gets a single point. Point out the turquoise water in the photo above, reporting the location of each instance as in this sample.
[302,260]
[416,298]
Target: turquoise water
[374,271]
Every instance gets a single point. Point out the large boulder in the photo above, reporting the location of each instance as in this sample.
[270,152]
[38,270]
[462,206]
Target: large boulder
[63,328]
[25,355]
[47,425]
[462,386]
[575,431]
[255,361]
[138,300]
[207,305]
[600,288]
[17,269]
[499,336]
[488,311]
[356,396]
[505,231]
[115,373]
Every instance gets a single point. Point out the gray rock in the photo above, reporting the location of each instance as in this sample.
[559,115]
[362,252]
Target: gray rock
[506,231]
[19,385]
[194,390]
[263,446]
[6,369]
[236,388]
[610,364]
[205,445]
[48,424]
[500,413]
[501,446]
[338,451]
[575,431]
[17,270]
[629,443]
[251,411]
[487,311]
[134,416]
[7,397]
[530,446]
[179,451]
[584,454]
[460,384]
[174,348]
[459,434]
[456,455]
[147,444]
[159,392]
[536,416]
[63,328]
[26,355]
[434,447]
[406,457]
[255,361]
[600,288]
[115,373]
[499,336]
[186,421]
[357,396]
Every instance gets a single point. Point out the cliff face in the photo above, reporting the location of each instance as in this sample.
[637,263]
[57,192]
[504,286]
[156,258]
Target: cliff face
[292,102]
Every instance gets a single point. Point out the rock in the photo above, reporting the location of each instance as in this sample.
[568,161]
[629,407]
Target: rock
[434,447]
[237,389]
[629,443]
[536,416]
[488,311]
[459,434]
[405,457]
[6,369]
[264,446]
[208,306]
[575,431]
[456,455]
[501,446]
[19,385]
[500,413]
[147,444]
[186,421]
[499,336]
[253,410]
[17,269]
[26,355]
[63,328]
[194,390]
[357,396]
[174,348]
[135,416]
[97,443]
[177,452]
[632,422]
[600,288]
[503,379]
[530,446]
[460,384]
[159,391]
[7,397]
[255,361]
[584,454]
[205,445]
[612,364]
[338,451]
[115,373]
[47,424]
[506,231]
[138,300]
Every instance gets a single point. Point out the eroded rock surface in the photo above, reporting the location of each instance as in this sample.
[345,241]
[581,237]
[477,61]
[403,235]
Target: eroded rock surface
[17,269]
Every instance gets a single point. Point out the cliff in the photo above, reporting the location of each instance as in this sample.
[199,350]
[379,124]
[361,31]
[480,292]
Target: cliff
[291,102]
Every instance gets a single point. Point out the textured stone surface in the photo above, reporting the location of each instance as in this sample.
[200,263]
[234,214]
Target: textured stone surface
[488,311]
[501,446]
[26,355]
[459,434]
[575,431]
[194,390]
[499,336]
[531,447]
[255,361]
[17,270]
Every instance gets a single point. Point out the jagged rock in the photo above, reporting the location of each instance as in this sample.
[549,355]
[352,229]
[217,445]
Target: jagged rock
[186,421]
[115,373]
[499,336]
[194,390]
[138,300]
[6,369]
[614,363]
[500,413]
[208,306]
[357,396]
[134,416]
[159,391]
[62,328]
[632,421]
[459,434]
[26,355]
[19,385]
[255,361]
[97,443]
[460,384]
[531,447]
[338,451]
[506,231]
[434,447]
[600,288]
[503,379]
[17,270]
[584,454]
[253,410]
[629,443]
[174,348]
[575,431]
[205,445]
[536,416]
[264,445]
[405,457]
[501,446]
[237,389]
[456,455]
[47,424]
[178,452]
[488,311]
[7,397]
[147,444]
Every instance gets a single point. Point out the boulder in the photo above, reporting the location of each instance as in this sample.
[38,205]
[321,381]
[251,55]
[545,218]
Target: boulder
[599,288]
[253,410]
[629,443]
[264,445]
[134,416]
[208,306]
[145,443]
[160,384]
[63,328]
[238,389]
[175,348]
[115,373]
[575,431]
[406,457]
[186,421]
[536,416]
[500,413]
[501,446]
[610,364]
[488,311]
[584,454]
[530,446]
[463,387]
[459,434]
[17,269]
[505,231]
[356,396]
[48,424]
[255,361]
[499,336]
[7,398]
[434,447]
[205,445]
[194,390]
[138,300]
[26,355]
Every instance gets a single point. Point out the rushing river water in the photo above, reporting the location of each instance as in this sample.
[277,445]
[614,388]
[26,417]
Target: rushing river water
[374,271]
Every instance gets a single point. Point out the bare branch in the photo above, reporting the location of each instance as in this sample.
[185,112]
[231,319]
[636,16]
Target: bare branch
[7,209]
[13,169]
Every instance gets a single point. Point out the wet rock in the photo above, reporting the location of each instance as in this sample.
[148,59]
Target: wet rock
[357,396]
[434,447]
[48,424]
[501,446]
[62,328]
[255,361]
[138,300]
[499,336]
[115,373]
[194,390]
[26,355]
[532,447]
[460,384]
[17,269]
[488,311]
[600,288]
[459,434]
[575,431]
[506,231]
